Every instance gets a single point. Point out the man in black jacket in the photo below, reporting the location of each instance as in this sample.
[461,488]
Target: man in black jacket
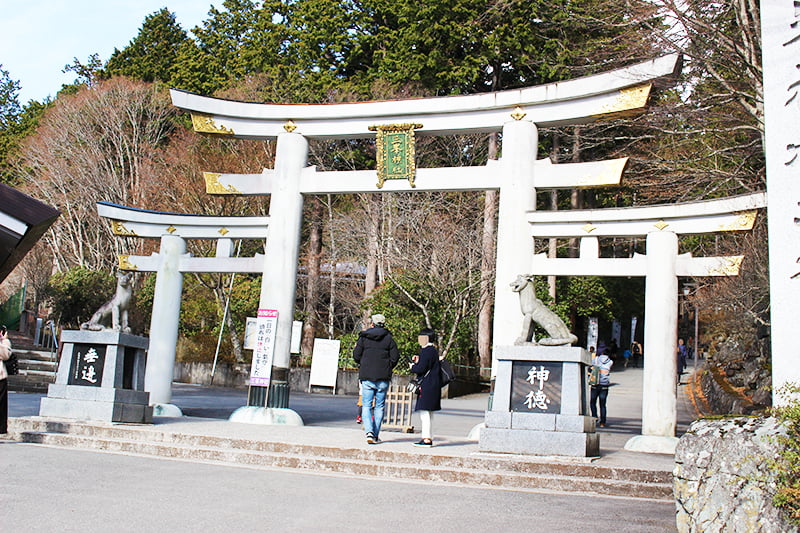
[376,354]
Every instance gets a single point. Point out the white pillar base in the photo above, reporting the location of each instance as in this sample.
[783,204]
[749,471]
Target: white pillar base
[652,444]
[167,409]
[269,416]
[475,433]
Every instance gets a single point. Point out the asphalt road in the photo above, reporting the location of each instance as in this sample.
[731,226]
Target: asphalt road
[51,489]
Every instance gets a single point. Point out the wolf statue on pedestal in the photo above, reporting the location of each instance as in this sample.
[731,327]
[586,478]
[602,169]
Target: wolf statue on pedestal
[535,312]
[116,307]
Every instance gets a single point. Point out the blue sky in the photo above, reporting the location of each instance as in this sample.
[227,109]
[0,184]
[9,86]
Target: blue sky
[39,37]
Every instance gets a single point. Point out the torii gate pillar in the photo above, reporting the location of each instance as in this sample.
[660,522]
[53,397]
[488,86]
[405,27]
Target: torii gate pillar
[164,324]
[659,405]
[514,241]
[280,261]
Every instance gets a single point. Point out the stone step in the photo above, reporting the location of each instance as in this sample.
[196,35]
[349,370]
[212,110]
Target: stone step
[23,383]
[37,369]
[44,367]
[509,473]
[36,355]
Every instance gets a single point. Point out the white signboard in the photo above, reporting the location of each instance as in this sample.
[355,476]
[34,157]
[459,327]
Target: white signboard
[250,333]
[591,336]
[297,336]
[266,325]
[324,363]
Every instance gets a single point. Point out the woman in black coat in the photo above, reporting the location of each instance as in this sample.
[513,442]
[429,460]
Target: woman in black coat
[427,368]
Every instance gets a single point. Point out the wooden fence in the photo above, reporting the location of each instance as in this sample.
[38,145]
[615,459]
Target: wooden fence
[398,409]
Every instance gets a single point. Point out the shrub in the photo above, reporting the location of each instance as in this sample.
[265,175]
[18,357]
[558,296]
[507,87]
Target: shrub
[787,465]
[77,293]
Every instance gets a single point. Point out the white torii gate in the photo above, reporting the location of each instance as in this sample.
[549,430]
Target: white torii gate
[171,261]
[517,113]
[661,267]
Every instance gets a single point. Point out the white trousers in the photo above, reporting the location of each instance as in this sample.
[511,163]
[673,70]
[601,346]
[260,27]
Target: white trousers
[427,424]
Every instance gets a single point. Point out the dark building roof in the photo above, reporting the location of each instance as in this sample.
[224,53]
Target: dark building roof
[23,220]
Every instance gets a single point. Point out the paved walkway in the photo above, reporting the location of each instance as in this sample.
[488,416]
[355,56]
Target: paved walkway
[330,420]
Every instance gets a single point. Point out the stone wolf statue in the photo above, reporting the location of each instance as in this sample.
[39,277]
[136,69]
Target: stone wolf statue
[116,307]
[535,312]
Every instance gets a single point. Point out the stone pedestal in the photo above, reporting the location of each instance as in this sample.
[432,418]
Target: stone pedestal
[539,406]
[100,377]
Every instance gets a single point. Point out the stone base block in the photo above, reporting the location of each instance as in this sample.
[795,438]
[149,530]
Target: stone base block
[91,403]
[266,415]
[533,442]
[168,410]
[652,444]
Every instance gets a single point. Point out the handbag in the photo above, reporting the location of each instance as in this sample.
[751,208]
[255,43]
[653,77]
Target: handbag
[414,386]
[446,374]
[12,365]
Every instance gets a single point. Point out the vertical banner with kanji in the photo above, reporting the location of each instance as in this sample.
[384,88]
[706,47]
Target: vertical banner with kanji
[396,152]
[266,325]
[592,333]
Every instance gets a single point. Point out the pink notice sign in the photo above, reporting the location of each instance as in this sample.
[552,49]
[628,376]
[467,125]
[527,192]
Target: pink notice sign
[266,326]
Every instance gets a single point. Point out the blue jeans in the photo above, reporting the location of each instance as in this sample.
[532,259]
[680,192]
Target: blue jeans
[599,393]
[372,417]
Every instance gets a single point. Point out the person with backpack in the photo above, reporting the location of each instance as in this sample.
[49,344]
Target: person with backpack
[600,381]
[427,367]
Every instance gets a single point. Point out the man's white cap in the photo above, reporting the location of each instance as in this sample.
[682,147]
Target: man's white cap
[378,319]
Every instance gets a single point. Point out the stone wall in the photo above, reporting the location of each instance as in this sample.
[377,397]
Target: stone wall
[722,478]
[237,375]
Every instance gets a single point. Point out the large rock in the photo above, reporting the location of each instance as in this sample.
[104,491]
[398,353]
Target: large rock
[736,378]
[722,478]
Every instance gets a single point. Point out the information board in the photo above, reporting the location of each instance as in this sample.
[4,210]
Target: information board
[324,363]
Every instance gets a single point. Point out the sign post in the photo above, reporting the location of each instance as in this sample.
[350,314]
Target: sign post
[261,369]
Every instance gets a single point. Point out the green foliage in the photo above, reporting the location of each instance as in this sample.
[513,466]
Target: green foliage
[404,319]
[627,296]
[787,465]
[232,43]
[244,300]
[77,293]
[16,123]
[199,311]
[347,343]
[587,296]
[87,73]
[9,102]
[153,53]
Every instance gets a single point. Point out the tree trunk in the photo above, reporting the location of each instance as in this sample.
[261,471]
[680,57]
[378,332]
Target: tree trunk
[576,202]
[576,198]
[236,343]
[552,245]
[490,207]
[374,210]
[313,259]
